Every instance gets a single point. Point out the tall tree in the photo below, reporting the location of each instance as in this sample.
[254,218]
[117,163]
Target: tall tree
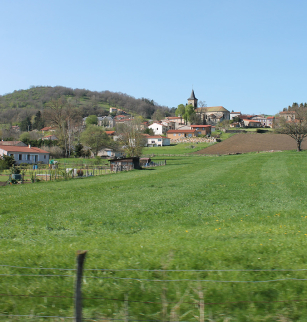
[295,127]
[95,138]
[66,119]
[26,125]
[38,123]
[131,137]
[91,120]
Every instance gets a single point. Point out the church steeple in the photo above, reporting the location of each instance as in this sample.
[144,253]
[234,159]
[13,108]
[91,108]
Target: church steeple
[193,100]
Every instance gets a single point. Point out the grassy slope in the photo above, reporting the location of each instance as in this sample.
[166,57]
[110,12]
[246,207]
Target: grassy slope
[232,212]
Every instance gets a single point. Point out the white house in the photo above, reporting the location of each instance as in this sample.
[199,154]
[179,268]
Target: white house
[158,128]
[156,140]
[234,114]
[25,154]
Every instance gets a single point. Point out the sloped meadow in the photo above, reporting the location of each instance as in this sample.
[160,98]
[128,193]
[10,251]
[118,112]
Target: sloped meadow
[200,239]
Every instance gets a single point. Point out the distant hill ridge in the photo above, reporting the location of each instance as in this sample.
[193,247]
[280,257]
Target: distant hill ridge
[14,106]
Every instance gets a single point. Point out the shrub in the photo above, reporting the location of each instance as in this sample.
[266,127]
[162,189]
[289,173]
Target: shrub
[6,162]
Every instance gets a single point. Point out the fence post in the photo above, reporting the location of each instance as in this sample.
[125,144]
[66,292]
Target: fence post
[78,294]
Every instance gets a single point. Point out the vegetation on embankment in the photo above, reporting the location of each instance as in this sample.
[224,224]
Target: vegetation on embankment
[242,212]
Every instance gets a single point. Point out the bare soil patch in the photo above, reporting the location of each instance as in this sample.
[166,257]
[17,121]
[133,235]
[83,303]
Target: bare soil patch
[253,142]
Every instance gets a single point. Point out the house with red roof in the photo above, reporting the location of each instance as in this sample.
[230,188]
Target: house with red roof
[202,129]
[179,134]
[251,123]
[25,154]
[50,138]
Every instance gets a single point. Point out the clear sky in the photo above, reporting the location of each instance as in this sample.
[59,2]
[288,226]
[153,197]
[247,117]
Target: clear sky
[246,55]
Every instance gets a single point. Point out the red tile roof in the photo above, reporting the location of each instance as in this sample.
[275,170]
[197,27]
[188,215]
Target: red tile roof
[24,149]
[181,131]
[197,126]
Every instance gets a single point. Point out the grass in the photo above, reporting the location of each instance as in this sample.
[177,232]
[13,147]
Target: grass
[229,212]
[182,148]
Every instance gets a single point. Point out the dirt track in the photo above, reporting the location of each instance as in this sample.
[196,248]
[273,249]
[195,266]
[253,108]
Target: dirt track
[246,142]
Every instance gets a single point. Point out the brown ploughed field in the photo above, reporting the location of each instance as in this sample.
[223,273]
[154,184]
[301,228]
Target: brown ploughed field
[254,142]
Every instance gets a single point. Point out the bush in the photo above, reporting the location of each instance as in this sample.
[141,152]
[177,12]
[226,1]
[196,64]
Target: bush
[6,162]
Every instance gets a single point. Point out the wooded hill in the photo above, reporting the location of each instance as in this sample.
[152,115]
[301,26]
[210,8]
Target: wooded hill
[16,106]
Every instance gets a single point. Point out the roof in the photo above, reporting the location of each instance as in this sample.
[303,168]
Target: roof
[212,109]
[47,128]
[251,121]
[271,117]
[181,131]
[287,112]
[192,97]
[196,126]
[49,136]
[24,149]
[110,132]
[11,142]
[155,137]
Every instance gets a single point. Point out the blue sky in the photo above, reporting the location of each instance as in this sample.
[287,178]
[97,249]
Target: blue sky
[247,56]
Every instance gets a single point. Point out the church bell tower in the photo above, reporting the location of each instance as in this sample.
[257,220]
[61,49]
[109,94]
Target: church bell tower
[193,100]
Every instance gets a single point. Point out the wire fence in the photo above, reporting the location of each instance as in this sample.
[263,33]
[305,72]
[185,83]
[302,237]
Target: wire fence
[200,302]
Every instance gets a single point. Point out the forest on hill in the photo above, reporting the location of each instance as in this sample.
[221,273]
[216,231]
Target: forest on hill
[17,106]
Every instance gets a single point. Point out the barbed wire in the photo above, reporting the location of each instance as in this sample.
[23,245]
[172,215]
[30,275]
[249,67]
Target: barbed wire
[157,280]
[164,270]
[68,317]
[149,302]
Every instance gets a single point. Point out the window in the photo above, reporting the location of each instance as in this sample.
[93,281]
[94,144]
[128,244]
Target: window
[45,156]
[19,156]
[28,157]
[160,140]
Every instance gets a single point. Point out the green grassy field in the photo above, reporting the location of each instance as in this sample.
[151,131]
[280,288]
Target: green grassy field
[241,212]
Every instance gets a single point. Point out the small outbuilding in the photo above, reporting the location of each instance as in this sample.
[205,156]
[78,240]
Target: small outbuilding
[125,164]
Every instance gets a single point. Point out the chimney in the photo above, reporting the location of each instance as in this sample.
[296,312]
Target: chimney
[29,146]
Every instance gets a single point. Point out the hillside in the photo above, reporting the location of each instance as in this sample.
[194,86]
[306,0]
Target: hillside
[15,106]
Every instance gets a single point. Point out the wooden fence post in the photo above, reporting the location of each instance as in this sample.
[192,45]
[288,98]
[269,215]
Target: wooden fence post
[78,294]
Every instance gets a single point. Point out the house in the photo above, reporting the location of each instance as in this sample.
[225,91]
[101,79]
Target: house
[17,143]
[48,129]
[179,134]
[202,129]
[50,138]
[26,154]
[170,125]
[251,123]
[288,115]
[106,121]
[175,119]
[234,114]
[158,128]
[15,128]
[270,121]
[156,140]
[125,164]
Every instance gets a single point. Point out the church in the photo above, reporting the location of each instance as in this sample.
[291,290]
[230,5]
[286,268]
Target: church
[209,115]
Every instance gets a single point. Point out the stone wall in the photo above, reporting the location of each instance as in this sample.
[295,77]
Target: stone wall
[194,140]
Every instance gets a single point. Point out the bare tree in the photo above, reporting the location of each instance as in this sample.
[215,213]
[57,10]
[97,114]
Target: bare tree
[131,137]
[295,127]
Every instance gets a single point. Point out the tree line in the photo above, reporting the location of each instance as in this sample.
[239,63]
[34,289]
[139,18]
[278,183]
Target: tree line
[16,106]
